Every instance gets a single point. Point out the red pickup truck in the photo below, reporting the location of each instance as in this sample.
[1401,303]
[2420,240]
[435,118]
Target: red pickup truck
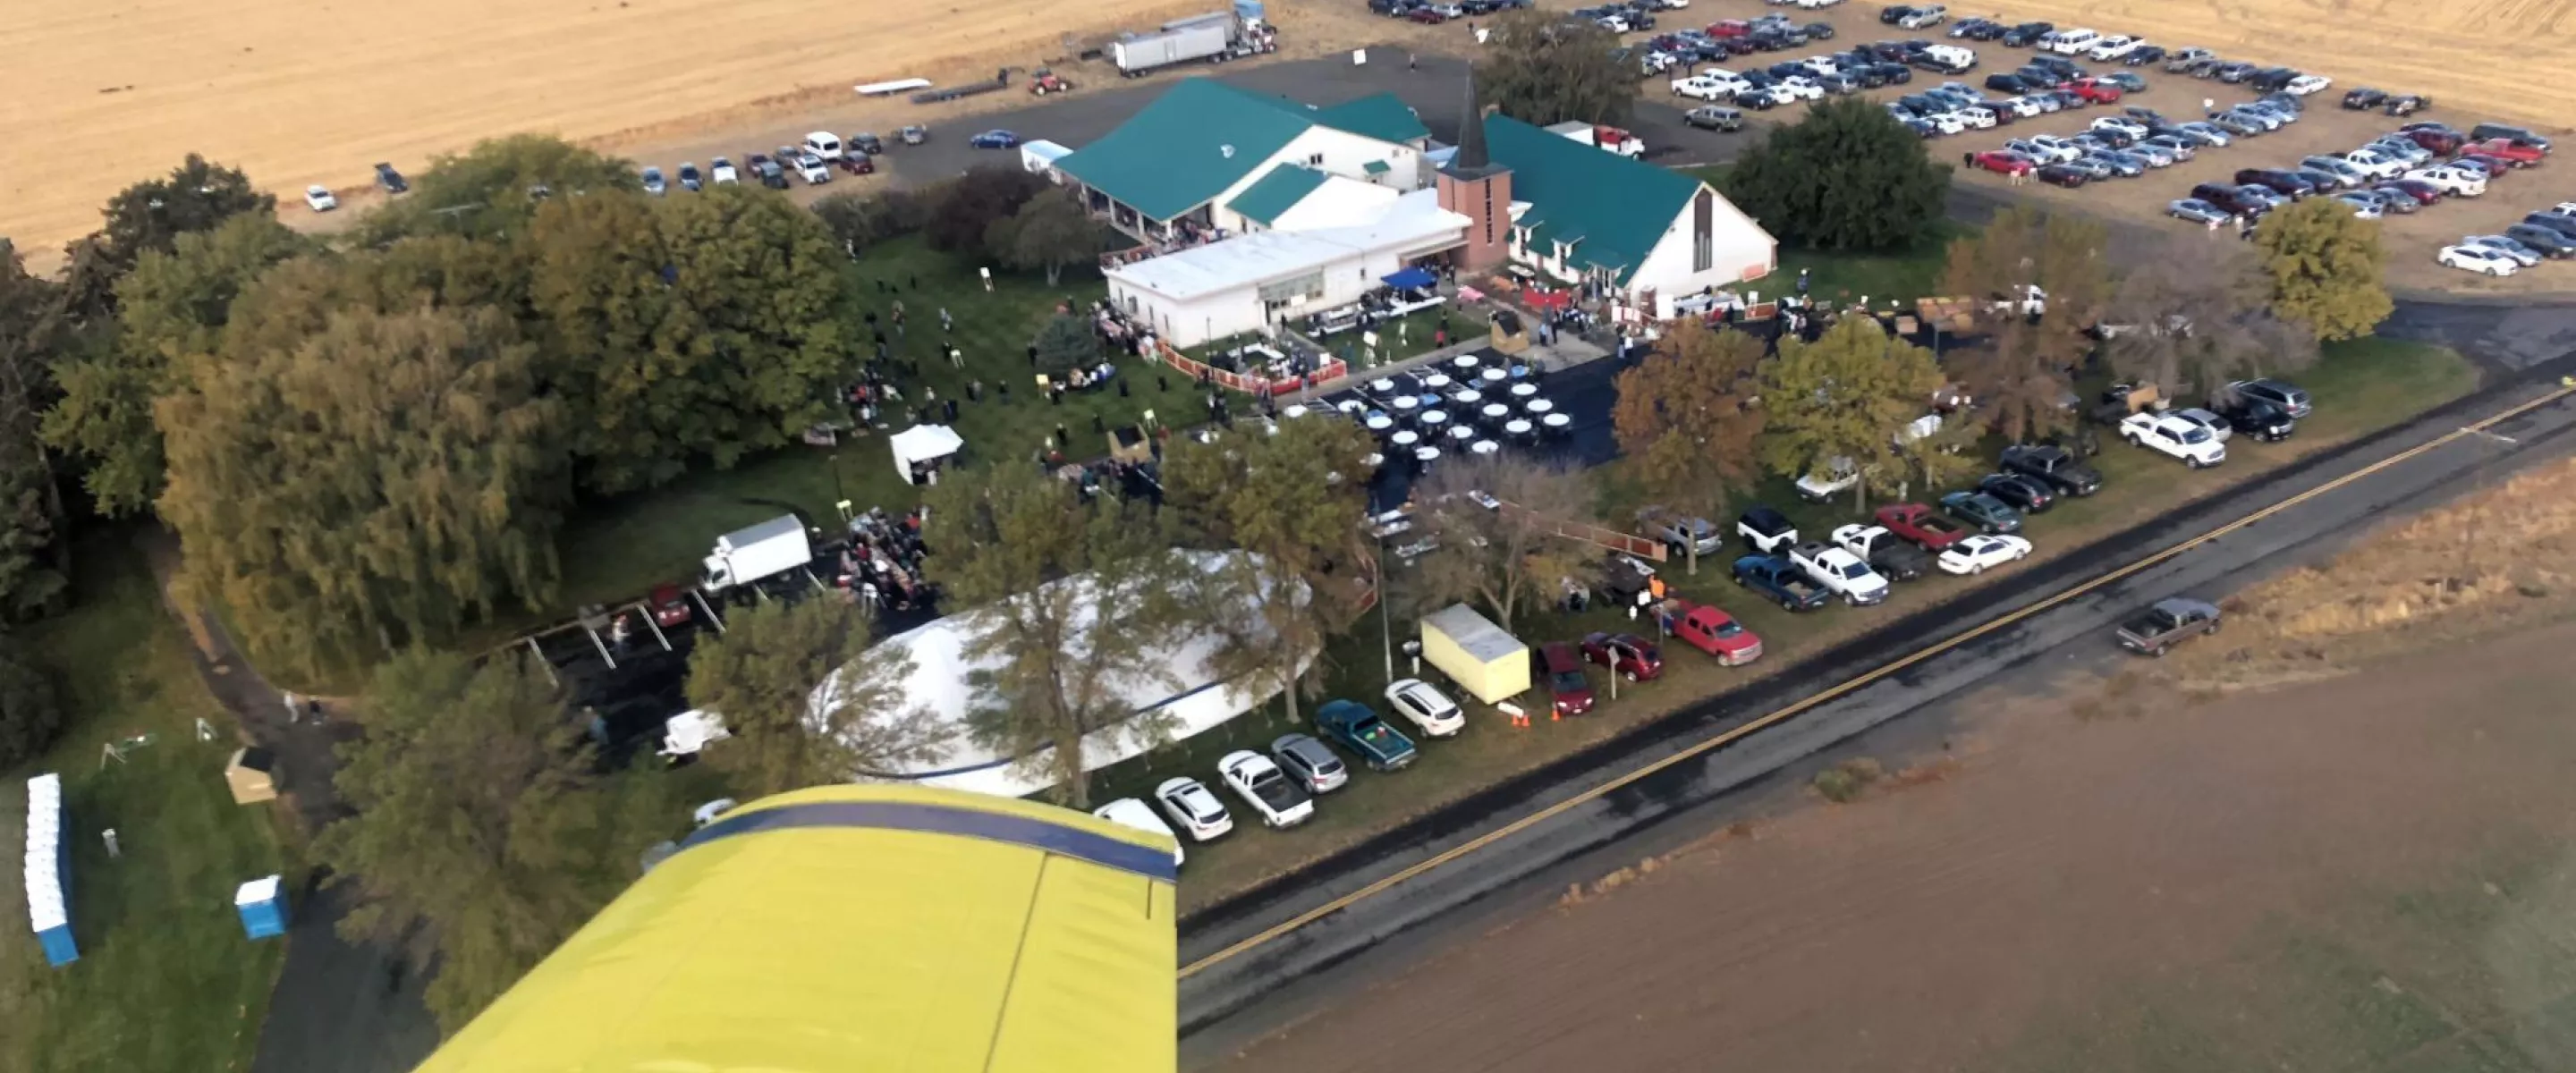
[2094,91]
[1915,523]
[1712,631]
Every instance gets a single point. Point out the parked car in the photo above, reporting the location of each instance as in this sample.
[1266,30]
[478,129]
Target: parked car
[1262,785]
[1567,688]
[1359,730]
[1681,536]
[2055,466]
[1711,630]
[1424,706]
[1129,812]
[2292,399]
[319,198]
[995,139]
[2004,162]
[2172,435]
[1625,654]
[2197,211]
[1780,581]
[2029,495]
[2517,135]
[1885,552]
[654,184]
[2024,35]
[1983,511]
[2450,180]
[812,169]
[1714,117]
[721,172]
[2506,149]
[913,135]
[2257,419]
[1766,530]
[1917,524]
[1842,572]
[2069,175]
[2479,259]
[2544,241]
[390,180]
[1974,554]
[2167,623]
[1314,765]
[1193,809]
[690,179]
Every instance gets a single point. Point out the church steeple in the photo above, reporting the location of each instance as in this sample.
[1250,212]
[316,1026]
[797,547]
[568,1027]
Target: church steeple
[1470,161]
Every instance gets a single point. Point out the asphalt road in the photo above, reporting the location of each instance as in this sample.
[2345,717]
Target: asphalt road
[1239,957]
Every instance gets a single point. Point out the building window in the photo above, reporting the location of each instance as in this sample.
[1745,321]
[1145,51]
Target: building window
[1316,160]
[1488,186]
[1300,288]
[1703,231]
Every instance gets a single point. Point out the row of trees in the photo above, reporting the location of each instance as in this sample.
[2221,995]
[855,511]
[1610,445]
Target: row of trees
[379,439]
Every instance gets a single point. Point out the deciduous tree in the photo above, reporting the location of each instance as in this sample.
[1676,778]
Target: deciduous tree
[1542,68]
[171,305]
[1050,232]
[495,189]
[389,472]
[1846,177]
[1846,395]
[1069,609]
[34,333]
[1686,418]
[1506,557]
[767,678]
[2328,269]
[2021,370]
[2193,314]
[477,835]
[1295,502]
[149,216]
[964,208]
[863,220]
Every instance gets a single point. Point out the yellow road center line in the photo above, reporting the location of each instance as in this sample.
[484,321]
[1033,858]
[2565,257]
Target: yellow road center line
[1844,688]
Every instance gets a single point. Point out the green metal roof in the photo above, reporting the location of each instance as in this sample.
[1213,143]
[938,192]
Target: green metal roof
[1617,207]
[1188,146]
[1275,193]
[1376,167]
[1379,115]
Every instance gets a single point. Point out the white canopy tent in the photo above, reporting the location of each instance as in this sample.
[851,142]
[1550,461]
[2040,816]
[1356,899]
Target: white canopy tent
[919,450]
[1188,699]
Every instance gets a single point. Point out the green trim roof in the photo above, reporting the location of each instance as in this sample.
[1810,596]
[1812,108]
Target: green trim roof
[1376,167]
[1379,115]
[1616,207]
[1275,193]
[1187,147]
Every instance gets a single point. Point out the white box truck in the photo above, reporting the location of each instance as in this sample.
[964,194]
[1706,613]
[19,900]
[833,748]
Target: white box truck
[746,555]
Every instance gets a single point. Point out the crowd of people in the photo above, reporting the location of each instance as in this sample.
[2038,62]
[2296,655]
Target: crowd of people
[881,566]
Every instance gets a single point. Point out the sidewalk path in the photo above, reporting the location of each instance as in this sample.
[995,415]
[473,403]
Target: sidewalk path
[338,1006]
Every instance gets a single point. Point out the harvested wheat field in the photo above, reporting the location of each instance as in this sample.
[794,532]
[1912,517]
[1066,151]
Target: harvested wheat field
[2480,55]
[106,92]
[2368,875]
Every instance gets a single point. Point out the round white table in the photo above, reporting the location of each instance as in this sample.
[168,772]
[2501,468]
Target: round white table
[1382,386]
[1523,391]
[1426,454]
[1484,447]
[1557,423]
[1435,418]
[1404,404]
[1466,396]
[1351,406]
[1539,407]
[1436,381]
[1298,410]
[1494,376]
[1462,434]
[1497,412]
[1406,438]
[1464,363]
[1518,429]
[1380,423]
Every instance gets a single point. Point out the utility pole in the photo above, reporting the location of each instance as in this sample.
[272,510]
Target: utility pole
[2490,444]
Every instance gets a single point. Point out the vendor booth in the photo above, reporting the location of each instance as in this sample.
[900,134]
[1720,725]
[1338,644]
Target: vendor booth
[920,452]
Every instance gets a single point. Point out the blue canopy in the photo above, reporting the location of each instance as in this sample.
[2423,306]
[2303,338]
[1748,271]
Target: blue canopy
[1411,279]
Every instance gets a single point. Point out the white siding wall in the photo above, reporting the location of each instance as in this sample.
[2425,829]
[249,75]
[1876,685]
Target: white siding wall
[1189,322]
[1347,154]
[1743,251]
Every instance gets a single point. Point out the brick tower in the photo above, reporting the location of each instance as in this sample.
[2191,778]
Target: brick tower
[1478,189]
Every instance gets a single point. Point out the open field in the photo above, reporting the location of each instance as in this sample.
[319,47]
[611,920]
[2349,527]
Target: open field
[105,94]
[2368,876]
[166,980]
[2360,387]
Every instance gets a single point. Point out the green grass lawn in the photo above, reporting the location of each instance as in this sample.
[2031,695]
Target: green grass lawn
[166,980]
[622,547]
[2358,387]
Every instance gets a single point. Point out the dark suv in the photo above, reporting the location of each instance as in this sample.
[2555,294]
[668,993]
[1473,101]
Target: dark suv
[2516,135]
[2286,182]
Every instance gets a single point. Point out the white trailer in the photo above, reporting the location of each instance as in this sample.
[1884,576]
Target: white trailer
[1143,53]
[746,555]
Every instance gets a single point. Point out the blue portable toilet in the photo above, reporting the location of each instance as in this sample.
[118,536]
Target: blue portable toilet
[48,871]
[262,903]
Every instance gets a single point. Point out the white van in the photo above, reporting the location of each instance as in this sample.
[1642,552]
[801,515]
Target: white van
[824,144]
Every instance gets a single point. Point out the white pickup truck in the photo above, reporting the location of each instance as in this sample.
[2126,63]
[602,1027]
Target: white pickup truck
[1840,572]
[2176,435]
